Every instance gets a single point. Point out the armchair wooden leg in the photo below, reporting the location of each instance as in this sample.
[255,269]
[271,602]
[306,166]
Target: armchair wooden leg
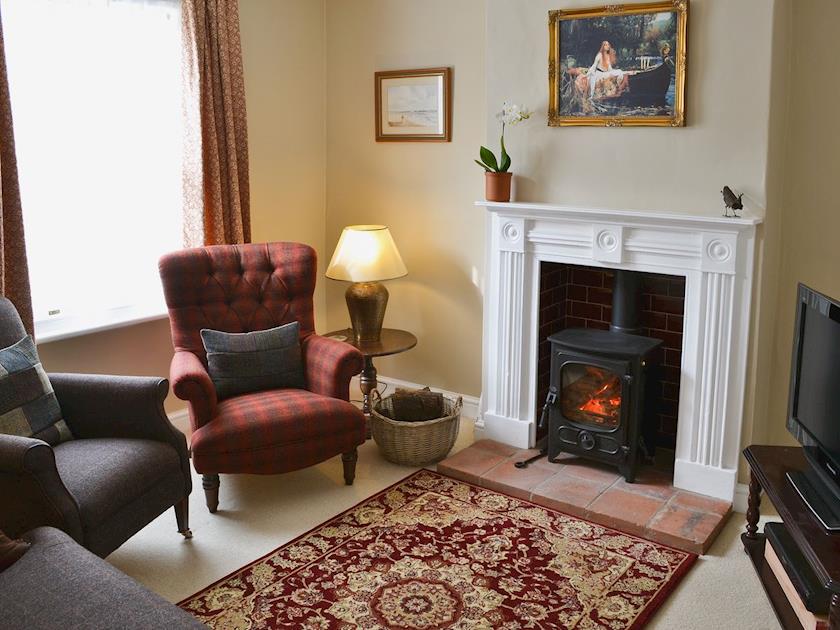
[210,483]
[182,516]
[349,461]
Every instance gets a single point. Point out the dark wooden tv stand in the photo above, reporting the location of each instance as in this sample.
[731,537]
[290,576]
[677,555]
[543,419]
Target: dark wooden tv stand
[768,466]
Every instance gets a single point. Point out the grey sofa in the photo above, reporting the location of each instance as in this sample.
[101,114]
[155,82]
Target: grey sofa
[127,465]
[58,584]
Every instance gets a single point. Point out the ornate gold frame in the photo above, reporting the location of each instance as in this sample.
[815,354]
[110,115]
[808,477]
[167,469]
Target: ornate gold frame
[680,7]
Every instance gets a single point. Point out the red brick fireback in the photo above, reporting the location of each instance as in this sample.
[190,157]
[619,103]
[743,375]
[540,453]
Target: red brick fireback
[573,296]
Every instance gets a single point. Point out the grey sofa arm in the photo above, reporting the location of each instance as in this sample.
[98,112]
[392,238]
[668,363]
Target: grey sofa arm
[97,406]
[33,493]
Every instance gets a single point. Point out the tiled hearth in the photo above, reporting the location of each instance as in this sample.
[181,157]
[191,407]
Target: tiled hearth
[651,508]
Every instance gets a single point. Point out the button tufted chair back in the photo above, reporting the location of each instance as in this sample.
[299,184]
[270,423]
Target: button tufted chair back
[237,288]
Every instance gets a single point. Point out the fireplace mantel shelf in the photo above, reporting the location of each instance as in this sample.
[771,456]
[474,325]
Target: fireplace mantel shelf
[748,219]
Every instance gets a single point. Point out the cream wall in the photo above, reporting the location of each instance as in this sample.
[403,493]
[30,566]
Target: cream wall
[811,217]
[423,191]
[758,421]
[284,58]
[680,170]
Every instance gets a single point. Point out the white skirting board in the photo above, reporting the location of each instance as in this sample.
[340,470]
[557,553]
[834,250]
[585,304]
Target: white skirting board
[742,493]
[181,420]
[469,408]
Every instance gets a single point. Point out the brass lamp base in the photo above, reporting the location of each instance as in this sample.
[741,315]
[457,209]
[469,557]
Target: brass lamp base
[366,302]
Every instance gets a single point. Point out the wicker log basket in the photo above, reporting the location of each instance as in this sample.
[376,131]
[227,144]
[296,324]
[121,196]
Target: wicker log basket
[415,443]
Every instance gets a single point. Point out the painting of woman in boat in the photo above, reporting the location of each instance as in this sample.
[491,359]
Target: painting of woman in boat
[616,65]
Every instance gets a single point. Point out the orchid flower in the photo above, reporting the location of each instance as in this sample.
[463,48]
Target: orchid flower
[511,114]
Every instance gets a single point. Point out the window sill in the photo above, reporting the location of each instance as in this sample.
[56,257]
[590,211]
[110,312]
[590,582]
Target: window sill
[59,329]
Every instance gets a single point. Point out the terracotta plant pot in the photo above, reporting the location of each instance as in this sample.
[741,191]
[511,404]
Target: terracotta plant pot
[497,186]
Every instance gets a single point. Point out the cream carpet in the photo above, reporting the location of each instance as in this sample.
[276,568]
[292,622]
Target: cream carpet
[258,514]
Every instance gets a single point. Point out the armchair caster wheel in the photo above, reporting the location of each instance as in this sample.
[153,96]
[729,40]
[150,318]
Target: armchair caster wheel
[187,534]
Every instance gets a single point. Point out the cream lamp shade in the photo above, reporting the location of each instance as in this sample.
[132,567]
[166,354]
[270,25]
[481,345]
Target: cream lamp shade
[366,253]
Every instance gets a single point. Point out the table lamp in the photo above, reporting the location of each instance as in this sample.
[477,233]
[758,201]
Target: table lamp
[365,255]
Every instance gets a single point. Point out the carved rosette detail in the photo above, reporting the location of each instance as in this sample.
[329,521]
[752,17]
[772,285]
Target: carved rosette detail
[614,8]
[614,122]
[510,232]
[719,251]
[607,241]
[681,5]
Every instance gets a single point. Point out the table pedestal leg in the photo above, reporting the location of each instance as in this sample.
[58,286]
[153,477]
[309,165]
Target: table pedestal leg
[753,507]
[368,384]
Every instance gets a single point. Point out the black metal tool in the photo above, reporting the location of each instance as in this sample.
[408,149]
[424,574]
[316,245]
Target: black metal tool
[524,463]
[549,401]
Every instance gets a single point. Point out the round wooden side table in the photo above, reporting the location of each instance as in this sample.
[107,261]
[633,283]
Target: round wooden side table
[391,341]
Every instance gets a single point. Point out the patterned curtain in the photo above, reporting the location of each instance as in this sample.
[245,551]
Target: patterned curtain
[14,270]
[216,189]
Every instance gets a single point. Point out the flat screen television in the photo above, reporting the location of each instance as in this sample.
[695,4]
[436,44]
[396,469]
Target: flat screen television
[814,403]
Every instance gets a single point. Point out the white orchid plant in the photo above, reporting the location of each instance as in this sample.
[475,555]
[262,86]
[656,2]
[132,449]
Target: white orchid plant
[511,114]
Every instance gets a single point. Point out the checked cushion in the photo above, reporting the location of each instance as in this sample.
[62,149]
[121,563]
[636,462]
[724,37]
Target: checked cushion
[276,431]
[28,406]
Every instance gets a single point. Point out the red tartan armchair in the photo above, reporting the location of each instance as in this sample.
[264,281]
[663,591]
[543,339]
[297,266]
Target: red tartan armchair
[242,288]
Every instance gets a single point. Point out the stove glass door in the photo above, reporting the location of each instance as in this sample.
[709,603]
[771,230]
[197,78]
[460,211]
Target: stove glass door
[591,395]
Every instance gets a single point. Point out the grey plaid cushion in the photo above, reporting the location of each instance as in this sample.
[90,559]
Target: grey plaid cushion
[28,406]
[239,363]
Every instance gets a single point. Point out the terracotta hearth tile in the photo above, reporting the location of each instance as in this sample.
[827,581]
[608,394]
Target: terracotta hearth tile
[495,447]
[700,503]
[567,493]
[685,529]
[650,508]
[470,464]
[650,482]
[516,481]
[624,510]
[592,471]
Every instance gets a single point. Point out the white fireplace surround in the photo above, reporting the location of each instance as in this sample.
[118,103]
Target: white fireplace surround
[715,255]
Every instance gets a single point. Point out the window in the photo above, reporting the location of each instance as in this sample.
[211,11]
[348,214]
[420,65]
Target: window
[96,99]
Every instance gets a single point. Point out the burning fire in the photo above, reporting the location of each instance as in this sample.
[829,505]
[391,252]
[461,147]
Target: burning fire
[593,397]
[606,401]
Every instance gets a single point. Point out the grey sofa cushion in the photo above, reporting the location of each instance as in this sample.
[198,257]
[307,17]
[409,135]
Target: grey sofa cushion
[120,485]
[240,363]
[106,474]
[28,406]
[59,584]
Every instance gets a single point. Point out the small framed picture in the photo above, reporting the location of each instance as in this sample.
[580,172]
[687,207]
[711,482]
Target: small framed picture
[618,65]
[414,105]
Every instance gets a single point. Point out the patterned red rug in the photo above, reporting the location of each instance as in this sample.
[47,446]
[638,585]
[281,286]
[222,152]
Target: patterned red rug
[431,552]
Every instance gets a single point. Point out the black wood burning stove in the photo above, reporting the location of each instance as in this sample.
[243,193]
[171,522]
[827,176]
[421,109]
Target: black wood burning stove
[599,380]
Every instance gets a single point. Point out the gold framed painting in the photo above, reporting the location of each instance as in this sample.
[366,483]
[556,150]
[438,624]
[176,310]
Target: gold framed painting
[414,105]
[618,65]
